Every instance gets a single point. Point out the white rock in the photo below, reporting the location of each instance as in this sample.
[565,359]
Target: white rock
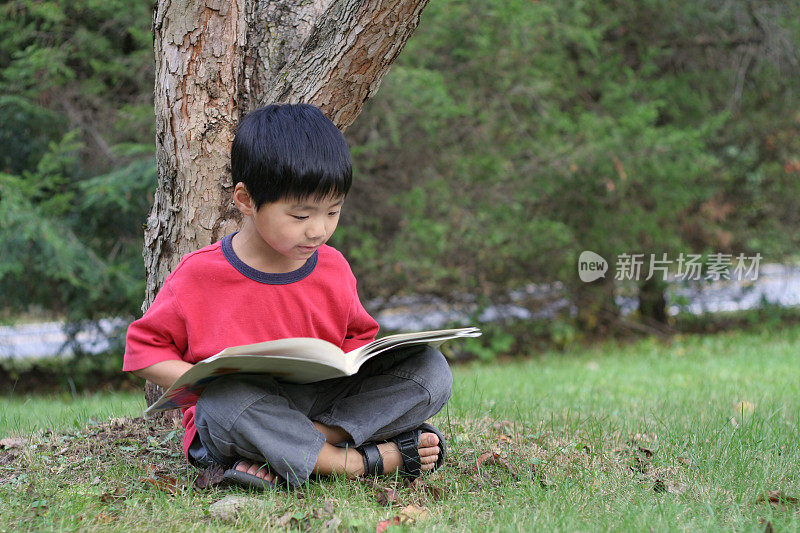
[229,506]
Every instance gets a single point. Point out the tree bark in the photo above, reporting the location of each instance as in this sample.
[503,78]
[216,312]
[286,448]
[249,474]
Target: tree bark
[218,59]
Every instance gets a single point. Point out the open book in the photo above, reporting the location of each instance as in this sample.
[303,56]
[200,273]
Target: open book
[296,360]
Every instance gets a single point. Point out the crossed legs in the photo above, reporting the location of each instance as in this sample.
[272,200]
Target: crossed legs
[336,460]
[295,429]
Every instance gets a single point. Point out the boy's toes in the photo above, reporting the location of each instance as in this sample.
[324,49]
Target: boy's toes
[429,459]
[429,462]
[428,450]
[428,440]
[428,445]
[255,470]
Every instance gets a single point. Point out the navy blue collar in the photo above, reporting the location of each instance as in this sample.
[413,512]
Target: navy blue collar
[283,278]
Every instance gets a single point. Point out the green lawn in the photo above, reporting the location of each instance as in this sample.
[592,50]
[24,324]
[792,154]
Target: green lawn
[30,413]
[646,436]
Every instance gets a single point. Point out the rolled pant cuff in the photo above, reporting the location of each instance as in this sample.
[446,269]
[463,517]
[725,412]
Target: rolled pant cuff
[297,476]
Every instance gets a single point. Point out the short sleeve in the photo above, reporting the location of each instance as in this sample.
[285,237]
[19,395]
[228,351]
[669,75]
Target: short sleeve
[160,335]
[361,327]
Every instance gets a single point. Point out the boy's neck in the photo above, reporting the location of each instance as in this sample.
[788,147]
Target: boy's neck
[251,249]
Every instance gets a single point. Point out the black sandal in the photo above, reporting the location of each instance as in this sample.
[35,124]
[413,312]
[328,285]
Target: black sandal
[408,444]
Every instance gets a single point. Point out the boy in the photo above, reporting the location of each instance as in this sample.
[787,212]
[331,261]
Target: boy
[276,278]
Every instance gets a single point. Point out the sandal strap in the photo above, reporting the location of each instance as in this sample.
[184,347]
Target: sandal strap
[373,461]
[408,444]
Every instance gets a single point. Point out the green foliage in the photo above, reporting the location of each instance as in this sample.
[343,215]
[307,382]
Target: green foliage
[25,132]
[78,170]
[510,136]
[72,246]
[76,373]
[493,343]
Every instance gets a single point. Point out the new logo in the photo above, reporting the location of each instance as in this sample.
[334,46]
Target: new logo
[591,266]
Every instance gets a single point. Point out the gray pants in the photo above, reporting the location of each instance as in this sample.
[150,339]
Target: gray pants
[257,418]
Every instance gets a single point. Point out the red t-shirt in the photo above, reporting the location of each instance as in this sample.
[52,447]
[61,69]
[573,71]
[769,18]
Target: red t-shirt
[212,300]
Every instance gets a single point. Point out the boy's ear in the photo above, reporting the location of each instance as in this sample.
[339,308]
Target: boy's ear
[242,200]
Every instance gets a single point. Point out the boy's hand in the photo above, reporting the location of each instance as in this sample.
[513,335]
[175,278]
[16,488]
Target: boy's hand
[164,373]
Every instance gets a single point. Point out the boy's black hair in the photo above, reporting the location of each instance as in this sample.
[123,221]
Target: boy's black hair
[290,151]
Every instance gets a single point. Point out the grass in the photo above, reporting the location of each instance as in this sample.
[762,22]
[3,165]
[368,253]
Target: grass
[689,435]
[57,412]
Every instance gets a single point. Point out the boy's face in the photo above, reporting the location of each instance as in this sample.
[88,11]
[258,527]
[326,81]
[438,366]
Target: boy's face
[294,229]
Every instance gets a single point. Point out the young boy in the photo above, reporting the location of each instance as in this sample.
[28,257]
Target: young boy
[277,278]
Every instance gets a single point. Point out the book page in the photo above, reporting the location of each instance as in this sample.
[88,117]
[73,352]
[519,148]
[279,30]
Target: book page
[357,357]
[297,347]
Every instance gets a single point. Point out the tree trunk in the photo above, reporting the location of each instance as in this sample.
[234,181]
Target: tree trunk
[653,301]
[215,61]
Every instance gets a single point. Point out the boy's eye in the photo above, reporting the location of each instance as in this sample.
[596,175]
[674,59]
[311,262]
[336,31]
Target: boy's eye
[333,213]
[299,217]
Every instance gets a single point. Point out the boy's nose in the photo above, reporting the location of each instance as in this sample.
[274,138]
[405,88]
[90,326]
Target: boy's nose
[315,231]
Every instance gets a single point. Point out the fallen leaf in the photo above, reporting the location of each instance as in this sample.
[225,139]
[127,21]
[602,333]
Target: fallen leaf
[109,497]
[646,451]
[504,425]
[104,518]
[490,458]
[734,422]
[12,443]
[776,498]
[411,513]
[161,480]
[387,496]
[620,168]
[164,484]
[383,525]
[436,493]
[505,438]
[209,477]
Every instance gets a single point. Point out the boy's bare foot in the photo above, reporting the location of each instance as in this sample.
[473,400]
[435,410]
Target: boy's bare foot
[261,471]
[428,453]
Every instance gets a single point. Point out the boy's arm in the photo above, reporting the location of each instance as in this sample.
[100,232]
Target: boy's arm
[155,343]
[361,327]
[164,373]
